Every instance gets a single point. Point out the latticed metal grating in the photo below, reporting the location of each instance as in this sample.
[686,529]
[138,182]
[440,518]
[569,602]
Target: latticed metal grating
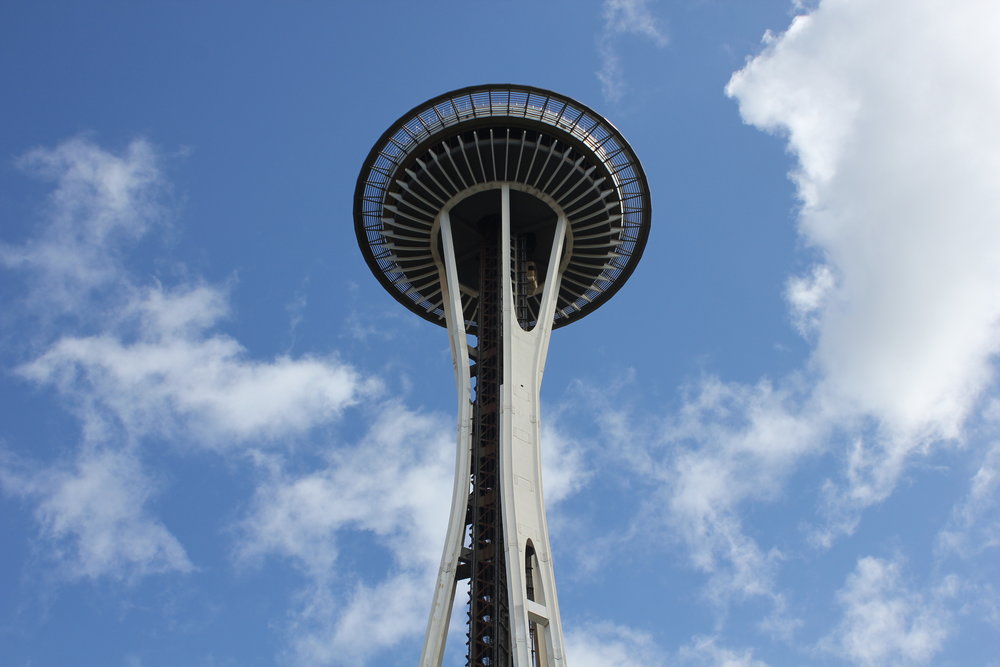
[541,142]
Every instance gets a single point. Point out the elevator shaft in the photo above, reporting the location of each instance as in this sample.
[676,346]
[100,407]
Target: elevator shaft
[489,618]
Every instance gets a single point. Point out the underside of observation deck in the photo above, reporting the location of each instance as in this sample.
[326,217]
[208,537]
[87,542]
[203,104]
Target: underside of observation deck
[549,148]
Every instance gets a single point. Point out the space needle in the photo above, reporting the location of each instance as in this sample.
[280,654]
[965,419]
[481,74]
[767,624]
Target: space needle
[500,212]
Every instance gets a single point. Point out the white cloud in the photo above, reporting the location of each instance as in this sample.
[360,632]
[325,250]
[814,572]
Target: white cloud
[730,445]
[133,359]
[154,364]
[564,471]
[808,295]
[394,485]
[890,109]
[690,473]
[604,644]
[101,202]
[621,18]
[974,526]
[884,622]
[609,645]
[177,377]
[93,518]
[373,619]
[706,651]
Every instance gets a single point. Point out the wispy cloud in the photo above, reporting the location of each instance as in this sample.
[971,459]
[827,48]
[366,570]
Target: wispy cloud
[731,444]
[807,296]
[601,644]
[190,381]
[620,19]
[884,622]
[133,358]
[153,360]
[564,469]
[394,485]
[706,651]
[974,526]
[101,202]
[728,445]
[92,512]
[357,627]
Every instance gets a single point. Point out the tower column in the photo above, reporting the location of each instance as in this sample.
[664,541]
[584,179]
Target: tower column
[449,572]
[500,212]
[530,613]
[535,625]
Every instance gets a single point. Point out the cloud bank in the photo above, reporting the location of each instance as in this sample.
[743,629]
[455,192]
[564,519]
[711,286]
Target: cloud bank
[888,109]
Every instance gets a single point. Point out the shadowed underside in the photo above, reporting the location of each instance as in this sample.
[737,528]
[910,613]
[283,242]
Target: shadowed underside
[558,155]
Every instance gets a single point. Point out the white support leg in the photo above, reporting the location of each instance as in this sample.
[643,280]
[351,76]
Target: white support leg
[523,505]
[444,591]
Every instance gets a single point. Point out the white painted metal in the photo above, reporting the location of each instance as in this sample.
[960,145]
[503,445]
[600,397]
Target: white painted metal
[444,591]
[521,497]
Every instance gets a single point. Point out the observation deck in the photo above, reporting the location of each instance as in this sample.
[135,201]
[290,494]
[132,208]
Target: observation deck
[455,151]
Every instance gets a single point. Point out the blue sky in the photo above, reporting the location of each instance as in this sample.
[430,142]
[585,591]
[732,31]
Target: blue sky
[223,444]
